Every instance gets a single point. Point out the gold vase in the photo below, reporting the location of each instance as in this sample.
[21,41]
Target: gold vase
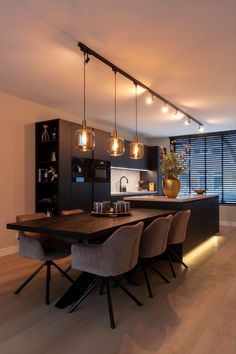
[171,186]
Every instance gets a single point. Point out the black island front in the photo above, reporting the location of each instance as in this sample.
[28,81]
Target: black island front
[204,219]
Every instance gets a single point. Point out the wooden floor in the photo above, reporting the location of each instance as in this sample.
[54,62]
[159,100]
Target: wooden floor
[195,314]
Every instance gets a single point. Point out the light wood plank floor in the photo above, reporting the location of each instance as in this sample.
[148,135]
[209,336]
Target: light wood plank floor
[195,314]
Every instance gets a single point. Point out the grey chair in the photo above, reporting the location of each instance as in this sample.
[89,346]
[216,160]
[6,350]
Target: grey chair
[153,243]
[116,256]
[71,212]
[40,247]
[177,235]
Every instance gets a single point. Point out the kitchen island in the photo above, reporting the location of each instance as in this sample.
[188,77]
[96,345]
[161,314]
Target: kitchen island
[204,219]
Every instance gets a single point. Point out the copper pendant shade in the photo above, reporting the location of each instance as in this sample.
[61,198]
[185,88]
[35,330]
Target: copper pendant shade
[85,137]
[136,149]
[115,144]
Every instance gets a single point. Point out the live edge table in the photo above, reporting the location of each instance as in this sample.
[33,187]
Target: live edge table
[84,228]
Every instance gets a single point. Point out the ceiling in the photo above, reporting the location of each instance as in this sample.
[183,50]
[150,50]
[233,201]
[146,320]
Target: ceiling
[185,50]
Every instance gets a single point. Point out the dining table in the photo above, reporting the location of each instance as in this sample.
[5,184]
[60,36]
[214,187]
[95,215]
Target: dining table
[85,228]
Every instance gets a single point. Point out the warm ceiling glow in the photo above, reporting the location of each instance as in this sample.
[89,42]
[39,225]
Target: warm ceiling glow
[177,115]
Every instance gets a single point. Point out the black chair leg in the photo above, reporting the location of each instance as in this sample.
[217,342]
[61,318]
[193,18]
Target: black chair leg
[127,292]
[109,302]
[158,273]
[102,287]
[68,269]
[48,278]
[179,259]
[62,272]
[146,278]
[29,279]
[170,263]
[84,295]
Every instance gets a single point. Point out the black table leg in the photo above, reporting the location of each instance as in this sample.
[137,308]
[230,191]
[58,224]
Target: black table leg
[75,290]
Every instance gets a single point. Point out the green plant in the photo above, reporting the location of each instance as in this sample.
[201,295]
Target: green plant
[174,164]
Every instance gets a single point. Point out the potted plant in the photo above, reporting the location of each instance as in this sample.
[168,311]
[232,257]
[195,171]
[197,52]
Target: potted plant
[173,164]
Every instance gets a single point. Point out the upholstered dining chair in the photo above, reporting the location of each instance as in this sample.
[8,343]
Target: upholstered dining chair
[116,256]
[177,235]
[71,212]
[40,247]
[153,243]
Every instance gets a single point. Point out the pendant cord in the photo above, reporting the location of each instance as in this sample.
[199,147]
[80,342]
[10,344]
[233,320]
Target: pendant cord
[115,99]
[136,110]
[84,86]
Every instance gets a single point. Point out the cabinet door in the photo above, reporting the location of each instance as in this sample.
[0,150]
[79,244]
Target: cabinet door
[75,151]
[100,151]
[101,192]
[124,160]
[81,196]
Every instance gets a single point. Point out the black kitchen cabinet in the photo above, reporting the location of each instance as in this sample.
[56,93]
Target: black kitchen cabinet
[124,160]
[52,165]
[100,151]
[101,191]
[81,196]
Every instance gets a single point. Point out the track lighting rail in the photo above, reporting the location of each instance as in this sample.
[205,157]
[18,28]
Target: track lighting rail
[115,68]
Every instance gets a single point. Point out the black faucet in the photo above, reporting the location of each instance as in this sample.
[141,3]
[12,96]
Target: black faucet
[123,189]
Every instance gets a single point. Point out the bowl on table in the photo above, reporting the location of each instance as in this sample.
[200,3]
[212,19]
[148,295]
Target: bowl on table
[200,191]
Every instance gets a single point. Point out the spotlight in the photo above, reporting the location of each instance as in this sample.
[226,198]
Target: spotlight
[201,128]
[187,121]
[149,99]
[164,108]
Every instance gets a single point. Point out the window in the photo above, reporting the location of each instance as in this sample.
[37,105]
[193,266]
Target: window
[212,164]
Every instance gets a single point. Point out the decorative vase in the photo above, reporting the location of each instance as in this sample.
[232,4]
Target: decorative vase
[171,187]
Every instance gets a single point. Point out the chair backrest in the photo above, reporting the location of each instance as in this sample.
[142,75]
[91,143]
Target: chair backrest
[154,237]
[28,217]
[178,227]
[121,249]
[72,211]
[30,242]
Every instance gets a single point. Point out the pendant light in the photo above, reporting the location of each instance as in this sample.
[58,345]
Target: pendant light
[85,137]
[115,144]
[136,149]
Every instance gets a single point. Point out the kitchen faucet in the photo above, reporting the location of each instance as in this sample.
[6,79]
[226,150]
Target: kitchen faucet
[123,189]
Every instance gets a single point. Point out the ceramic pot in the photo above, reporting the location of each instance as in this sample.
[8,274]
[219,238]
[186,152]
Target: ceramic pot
[171,187]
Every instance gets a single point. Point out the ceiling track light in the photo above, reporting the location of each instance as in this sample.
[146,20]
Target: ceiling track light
[153,93]
[84,137]
[150,99]
[201,128]
[187,121]
[165,108]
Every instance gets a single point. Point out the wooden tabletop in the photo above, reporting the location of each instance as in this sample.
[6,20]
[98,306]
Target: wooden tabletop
[85,226]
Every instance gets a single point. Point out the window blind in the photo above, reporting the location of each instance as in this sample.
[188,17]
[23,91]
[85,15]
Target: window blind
[212,164]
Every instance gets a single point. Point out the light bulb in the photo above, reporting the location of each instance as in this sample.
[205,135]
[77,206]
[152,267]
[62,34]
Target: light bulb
[149,100]
[187,121]
[164,108]
[115,145]
[201,128]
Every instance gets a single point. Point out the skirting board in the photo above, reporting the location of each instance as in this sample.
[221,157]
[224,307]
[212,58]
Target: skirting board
[8,250]
[227,223]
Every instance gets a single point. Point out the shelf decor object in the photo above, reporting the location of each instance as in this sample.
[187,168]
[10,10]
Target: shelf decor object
[172,166]
[115,144]
[136,149]
[45,135]
[85,137]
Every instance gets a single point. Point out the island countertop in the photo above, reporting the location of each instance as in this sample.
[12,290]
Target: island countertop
[179,199]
